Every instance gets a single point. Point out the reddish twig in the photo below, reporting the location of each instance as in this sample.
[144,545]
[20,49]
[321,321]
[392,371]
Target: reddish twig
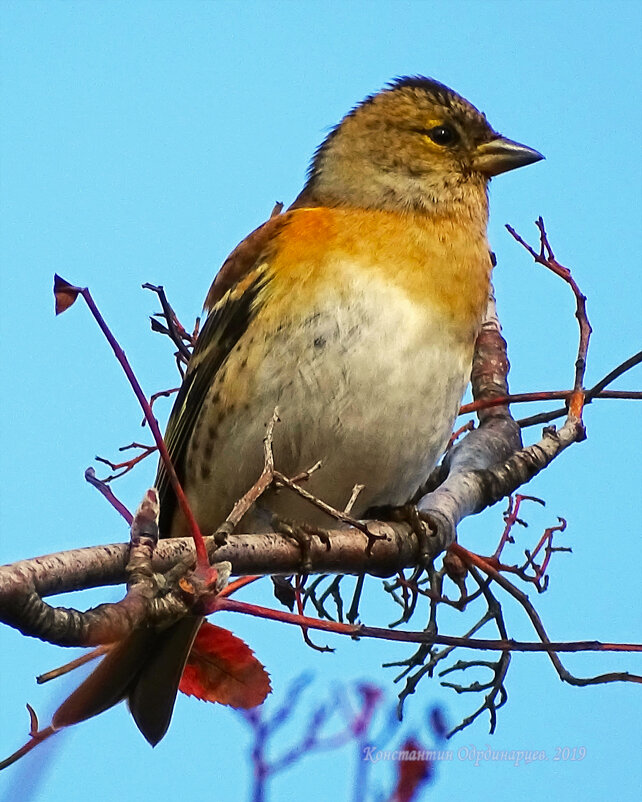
[36,735]
[237,584]
[154,398]
[66,294]
[540,579]
[597,391]
[545,395]
[546,257]
[107,492]
[545,644]
[363,631]
[72,665]
[510,518]
[127,465]
[468,426]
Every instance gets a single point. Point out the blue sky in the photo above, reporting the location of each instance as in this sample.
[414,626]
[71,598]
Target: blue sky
[141,142]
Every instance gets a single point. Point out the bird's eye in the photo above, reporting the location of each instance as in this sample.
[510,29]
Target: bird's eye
[443,135]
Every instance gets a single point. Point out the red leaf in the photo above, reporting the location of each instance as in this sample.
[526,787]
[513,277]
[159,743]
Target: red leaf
[64,293]
[222,668]
[414,770]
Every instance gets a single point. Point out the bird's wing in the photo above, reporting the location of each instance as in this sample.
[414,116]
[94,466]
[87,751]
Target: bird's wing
[243,258]
[233,301]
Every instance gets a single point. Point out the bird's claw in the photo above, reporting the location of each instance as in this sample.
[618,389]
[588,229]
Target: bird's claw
[302,534]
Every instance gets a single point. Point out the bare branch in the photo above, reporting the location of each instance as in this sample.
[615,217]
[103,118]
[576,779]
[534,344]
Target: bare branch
[546,257]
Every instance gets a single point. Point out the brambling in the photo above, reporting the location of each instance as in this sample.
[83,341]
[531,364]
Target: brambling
[355,313]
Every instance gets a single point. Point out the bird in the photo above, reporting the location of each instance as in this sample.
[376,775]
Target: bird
[355,313]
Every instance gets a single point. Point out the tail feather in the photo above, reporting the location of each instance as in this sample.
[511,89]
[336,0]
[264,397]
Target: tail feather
[145,668]
[109,682]
[152,693]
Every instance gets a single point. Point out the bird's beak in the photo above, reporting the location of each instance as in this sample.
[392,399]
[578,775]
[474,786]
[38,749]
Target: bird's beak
[501,154]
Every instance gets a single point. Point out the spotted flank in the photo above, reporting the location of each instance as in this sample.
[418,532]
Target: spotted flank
[225,325]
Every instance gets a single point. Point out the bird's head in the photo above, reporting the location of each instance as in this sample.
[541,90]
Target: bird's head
[416,145]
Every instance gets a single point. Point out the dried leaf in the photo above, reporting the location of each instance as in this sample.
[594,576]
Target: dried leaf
[284,592]
[222,668]
[64,293]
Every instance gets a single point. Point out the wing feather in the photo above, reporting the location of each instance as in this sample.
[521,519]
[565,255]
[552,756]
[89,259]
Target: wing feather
[225,325]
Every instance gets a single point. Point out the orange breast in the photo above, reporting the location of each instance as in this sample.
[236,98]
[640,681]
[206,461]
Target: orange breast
[443,262]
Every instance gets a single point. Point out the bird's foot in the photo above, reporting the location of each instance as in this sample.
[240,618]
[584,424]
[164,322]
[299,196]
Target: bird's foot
[302,534]
[422,527]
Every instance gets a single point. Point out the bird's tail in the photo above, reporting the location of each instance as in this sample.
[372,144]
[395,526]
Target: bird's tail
[145,668]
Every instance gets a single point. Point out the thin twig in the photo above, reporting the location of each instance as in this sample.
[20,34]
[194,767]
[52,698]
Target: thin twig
[597,391]
[65,288]
[546,644]
[72,665]
[546,257]
[175,330]
[502,645]
[108,493]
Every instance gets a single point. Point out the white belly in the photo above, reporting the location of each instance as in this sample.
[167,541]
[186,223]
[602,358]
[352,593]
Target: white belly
[370,386]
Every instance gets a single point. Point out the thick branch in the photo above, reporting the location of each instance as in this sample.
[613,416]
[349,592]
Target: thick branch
[462,490]
[24,584]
